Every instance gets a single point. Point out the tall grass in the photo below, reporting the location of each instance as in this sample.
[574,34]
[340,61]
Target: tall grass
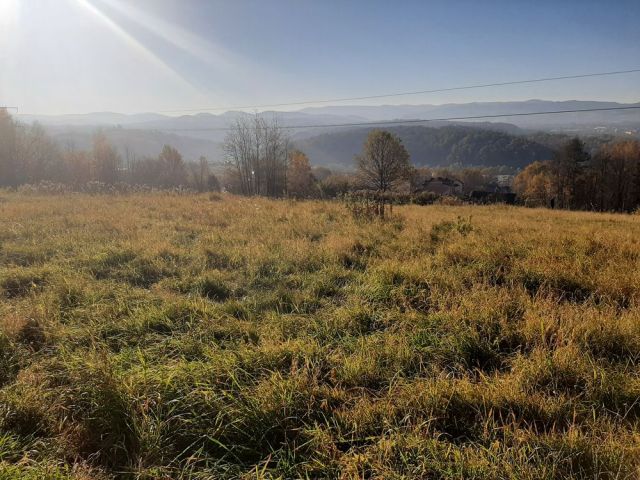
[160,336]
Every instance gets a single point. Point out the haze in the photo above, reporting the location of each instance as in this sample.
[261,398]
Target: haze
[75,56]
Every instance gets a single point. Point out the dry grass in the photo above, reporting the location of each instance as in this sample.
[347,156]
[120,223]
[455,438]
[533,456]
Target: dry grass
[160,336]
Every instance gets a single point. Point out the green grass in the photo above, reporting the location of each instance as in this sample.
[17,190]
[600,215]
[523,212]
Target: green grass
[166,336]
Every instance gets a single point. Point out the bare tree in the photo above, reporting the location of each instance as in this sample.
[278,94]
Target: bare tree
[567,165]
[256,156]
[240,157]
[131,160]
[383,163]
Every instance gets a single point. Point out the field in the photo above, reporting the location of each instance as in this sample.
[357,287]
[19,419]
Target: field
[207,337]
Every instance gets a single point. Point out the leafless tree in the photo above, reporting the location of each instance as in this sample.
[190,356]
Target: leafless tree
[383,164]
[567,165]
[256,153]
[131,159]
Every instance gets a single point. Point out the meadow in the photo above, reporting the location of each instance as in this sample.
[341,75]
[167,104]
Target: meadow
[152,336]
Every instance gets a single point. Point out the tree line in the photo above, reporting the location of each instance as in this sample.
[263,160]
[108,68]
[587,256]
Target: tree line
[607,180]
[29,156]
[260,160]
[450,145]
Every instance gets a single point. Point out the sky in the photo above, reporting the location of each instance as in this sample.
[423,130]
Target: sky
[77,56]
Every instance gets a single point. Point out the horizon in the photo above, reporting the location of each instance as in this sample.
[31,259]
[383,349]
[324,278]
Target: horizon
[88,56]
[308,110]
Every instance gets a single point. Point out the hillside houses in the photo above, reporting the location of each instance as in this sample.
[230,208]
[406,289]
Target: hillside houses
[496,192]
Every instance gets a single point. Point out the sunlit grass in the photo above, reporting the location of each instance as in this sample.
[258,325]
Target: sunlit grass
[176,336]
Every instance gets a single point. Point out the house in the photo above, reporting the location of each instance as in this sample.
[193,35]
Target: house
[440,186]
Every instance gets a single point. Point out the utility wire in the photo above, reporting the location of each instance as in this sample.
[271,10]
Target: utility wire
[402,94]
[420,120]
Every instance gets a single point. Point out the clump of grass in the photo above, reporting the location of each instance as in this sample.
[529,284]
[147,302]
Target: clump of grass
[237,309]
[31,334]
[23,255]
[374,360]
[23,408]
[129,267]
[441,230]
[557,283]
[216,259]
[91,410]
[9,364]
[22,283]
[211,287]
[356,254]
[617,341]
[38,472]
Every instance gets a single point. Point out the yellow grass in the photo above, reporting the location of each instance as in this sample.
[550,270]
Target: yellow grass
[167,336]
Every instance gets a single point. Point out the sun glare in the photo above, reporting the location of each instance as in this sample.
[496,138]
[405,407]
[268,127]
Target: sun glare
[131,41]
[9,12]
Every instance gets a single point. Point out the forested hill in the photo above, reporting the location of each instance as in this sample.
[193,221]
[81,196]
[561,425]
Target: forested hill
[429,146]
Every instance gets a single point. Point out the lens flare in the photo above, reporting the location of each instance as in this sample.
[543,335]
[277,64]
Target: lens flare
[173,34]
[133,43]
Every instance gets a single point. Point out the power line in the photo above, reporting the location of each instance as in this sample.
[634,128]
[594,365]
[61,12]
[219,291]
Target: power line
[420,120]
[402,94]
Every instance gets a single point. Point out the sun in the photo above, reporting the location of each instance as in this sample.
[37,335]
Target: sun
[9,20]
[9,10]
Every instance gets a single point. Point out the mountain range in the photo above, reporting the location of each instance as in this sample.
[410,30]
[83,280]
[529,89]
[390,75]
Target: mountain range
[450,138]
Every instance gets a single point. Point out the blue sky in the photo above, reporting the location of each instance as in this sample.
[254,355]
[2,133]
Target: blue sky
[68,56]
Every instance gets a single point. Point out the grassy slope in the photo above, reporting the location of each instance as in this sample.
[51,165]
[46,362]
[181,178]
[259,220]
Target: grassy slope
[179,337]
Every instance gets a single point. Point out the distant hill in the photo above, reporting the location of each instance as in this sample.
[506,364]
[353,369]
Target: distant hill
[91,119]
[189,125]
[513,141]
[138,142]
[611,120]
[205,126]
[449,145]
